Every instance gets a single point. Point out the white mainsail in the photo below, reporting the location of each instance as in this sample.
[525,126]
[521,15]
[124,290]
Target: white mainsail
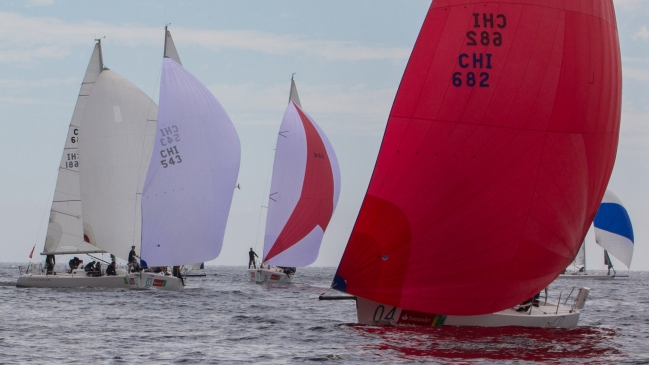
[192,175]
[304,189]
[118,129]
[65,228]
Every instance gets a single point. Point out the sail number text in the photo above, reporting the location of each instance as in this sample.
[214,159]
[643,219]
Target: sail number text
[75,137]
[477,64]
[169,154]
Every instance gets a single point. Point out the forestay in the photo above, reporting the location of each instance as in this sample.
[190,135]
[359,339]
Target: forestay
[613,229]
[117,137]
[496,155]
[304,189]
[192,175]
[65,228]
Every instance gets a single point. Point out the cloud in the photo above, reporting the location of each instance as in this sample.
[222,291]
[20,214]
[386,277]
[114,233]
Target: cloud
[29,38]
[636,74]
[642,33]
[322,99]
[629,4]
[18,84]
[30,3]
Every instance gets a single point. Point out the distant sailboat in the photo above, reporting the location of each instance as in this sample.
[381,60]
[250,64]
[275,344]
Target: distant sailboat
[304,192]
[614,233]
[505,130]
[96,203]
[191,178]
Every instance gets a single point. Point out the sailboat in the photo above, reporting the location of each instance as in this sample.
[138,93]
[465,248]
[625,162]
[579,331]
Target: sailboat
[305,187]
[614,233]
[497,152]
[96,203]
[191,177]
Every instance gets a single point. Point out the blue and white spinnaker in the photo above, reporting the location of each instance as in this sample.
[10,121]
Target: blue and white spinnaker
[613,230]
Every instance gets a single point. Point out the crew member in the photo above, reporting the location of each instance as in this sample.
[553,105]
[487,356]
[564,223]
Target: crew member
[132,260]
[110,270]
[252,256]
[50,262]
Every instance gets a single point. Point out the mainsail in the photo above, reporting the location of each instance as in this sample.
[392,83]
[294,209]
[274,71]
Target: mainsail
[117,136]
[497,152]
[304,189]
[580,259]
[192,175]
[613,229]
[65,228]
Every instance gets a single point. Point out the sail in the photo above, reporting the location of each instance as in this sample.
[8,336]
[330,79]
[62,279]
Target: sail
[118,128]
[304,189]
[580,260]
[65,228]
[497,151]
[170,48]
[613,229]
[192,175]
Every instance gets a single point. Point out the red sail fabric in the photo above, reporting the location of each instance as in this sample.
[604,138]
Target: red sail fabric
[316,204]
[497,152]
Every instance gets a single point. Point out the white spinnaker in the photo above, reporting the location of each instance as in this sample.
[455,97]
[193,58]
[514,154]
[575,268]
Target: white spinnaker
[192,175]
[65,228]
[286,187]
[118,129]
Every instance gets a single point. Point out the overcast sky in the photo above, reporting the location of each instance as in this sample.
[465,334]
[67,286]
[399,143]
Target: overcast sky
[348,55]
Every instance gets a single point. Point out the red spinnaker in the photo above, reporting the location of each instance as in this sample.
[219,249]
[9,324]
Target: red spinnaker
[316,204]
[497,152]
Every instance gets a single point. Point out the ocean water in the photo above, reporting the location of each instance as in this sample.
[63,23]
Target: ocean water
[224,318]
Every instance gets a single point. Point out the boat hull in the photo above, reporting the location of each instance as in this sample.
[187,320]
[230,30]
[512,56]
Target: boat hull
[545,316]
[150,280]
[76,279]
[592,277]
[270,275]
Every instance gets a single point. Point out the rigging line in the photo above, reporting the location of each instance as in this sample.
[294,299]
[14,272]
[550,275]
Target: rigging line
[263,198]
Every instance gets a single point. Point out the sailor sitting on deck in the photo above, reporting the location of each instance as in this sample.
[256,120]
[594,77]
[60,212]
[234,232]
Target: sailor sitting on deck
[251,260]
[110,270]
[90,267]
[50,262]
[97,270]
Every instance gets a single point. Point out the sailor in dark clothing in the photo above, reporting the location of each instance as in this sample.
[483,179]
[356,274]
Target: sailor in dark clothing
[50,262]
[98,269]
[110,270]
[175,271]
[74,263]
[132,260]
[252,256]
[90,267]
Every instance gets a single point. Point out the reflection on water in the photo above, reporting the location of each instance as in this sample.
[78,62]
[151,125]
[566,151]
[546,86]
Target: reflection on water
[504,343]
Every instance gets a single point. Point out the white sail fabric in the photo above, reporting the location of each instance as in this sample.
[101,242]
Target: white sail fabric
[294,230]
[580,260]
[192,175]
[118,131]
[613,229]
[293,96]
[65,228]
[170,48]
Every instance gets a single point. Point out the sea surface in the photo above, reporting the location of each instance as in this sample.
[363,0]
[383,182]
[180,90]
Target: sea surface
[224,318]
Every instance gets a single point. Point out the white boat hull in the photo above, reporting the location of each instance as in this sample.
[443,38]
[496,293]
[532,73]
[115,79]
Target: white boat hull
[76,279]
[590,276]
[545,315]
[270,275]
[150,280]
